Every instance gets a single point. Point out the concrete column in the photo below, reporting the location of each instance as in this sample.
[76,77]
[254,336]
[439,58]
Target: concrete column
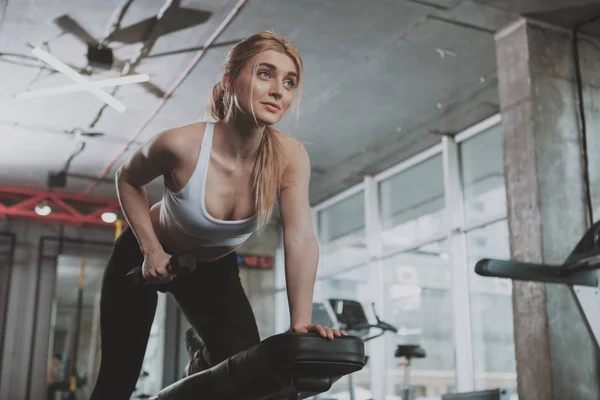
[555,356]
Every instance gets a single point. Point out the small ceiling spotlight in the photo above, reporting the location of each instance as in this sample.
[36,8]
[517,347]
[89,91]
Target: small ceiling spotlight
[109,217]
[43,209]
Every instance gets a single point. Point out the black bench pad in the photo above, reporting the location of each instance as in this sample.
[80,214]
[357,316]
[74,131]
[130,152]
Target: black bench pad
[288,364]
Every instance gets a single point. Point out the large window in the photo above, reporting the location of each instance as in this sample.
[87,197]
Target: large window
[430,219]
[418,302]
[341,233]
[482,176]
[353,284]
[417,281]
[343,271]
[491,311]
[411,205]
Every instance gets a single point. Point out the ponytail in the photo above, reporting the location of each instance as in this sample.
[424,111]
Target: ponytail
[268,173]
[218,104]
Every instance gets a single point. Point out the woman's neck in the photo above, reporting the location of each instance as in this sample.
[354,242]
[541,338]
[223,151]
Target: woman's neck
[242,137]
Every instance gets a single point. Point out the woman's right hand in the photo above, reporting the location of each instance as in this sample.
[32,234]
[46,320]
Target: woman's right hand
[156,267]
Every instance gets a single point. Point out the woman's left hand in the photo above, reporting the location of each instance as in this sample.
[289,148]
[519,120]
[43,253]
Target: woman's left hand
[324,331]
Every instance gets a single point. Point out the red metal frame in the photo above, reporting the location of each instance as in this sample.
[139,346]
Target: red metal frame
[67,209]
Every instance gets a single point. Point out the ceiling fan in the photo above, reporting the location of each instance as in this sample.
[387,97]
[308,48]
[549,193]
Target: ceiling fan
[81,82]
[100,55]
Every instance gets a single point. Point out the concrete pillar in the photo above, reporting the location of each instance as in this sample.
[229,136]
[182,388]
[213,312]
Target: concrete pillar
[555,356]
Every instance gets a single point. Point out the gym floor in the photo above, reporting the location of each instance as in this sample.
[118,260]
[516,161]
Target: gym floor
[439,132]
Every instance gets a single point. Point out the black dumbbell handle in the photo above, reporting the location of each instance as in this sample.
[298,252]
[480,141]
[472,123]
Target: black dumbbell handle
[180,265]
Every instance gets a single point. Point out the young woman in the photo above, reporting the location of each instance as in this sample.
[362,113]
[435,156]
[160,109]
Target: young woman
[221,181]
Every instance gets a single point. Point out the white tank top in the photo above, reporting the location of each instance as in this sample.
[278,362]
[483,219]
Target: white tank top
[185,211]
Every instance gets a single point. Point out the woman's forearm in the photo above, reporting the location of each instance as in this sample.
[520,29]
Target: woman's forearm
[301,259]
[135,205]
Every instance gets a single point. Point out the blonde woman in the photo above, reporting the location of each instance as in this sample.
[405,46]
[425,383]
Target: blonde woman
[221,181]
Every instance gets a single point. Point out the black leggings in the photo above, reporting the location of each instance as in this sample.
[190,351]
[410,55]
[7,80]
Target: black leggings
[212,299]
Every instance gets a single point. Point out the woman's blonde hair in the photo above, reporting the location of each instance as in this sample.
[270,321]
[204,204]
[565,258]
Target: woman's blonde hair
[269,167]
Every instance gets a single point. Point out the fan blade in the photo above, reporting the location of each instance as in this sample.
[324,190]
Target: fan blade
[92,134]
[228,43]
[69,25]
[175,20]
[152,89]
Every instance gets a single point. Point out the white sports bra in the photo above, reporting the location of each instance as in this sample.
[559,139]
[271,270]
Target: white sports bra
[185,211]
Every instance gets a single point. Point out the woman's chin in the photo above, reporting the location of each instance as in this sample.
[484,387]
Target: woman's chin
[262,117]
[267,118]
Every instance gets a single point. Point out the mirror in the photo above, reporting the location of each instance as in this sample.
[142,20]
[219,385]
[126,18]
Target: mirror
[69,328]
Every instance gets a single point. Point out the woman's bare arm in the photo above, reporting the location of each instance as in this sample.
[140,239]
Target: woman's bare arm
[157,157]
[301,249]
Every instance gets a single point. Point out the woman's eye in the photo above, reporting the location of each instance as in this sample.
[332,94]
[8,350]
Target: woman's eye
[264,73]
[290,84]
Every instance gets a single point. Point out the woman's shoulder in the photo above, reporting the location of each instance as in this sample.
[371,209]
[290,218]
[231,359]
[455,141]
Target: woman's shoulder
[185,137]
[195,129]
[290,144]
[296,157]
[293,148]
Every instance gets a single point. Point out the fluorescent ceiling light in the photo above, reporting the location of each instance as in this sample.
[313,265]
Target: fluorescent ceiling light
[78,78]
[124,80]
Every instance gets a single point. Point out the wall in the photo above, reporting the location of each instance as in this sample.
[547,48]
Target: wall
[19,333]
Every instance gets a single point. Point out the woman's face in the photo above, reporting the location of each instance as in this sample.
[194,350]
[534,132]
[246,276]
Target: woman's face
[269,90]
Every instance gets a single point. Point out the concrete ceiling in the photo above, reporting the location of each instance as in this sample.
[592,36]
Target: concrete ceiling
[383,79]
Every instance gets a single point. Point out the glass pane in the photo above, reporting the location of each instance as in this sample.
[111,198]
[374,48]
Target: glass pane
[418,301]
[63,331]
[412,205]
[482,174]
[352,284]
[68,332]
[341,232]
[491,311]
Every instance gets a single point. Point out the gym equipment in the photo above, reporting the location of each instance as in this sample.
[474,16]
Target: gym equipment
[408,352]
[182,265]
[350,316]
[494,394]
[290,365]
[578,270]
